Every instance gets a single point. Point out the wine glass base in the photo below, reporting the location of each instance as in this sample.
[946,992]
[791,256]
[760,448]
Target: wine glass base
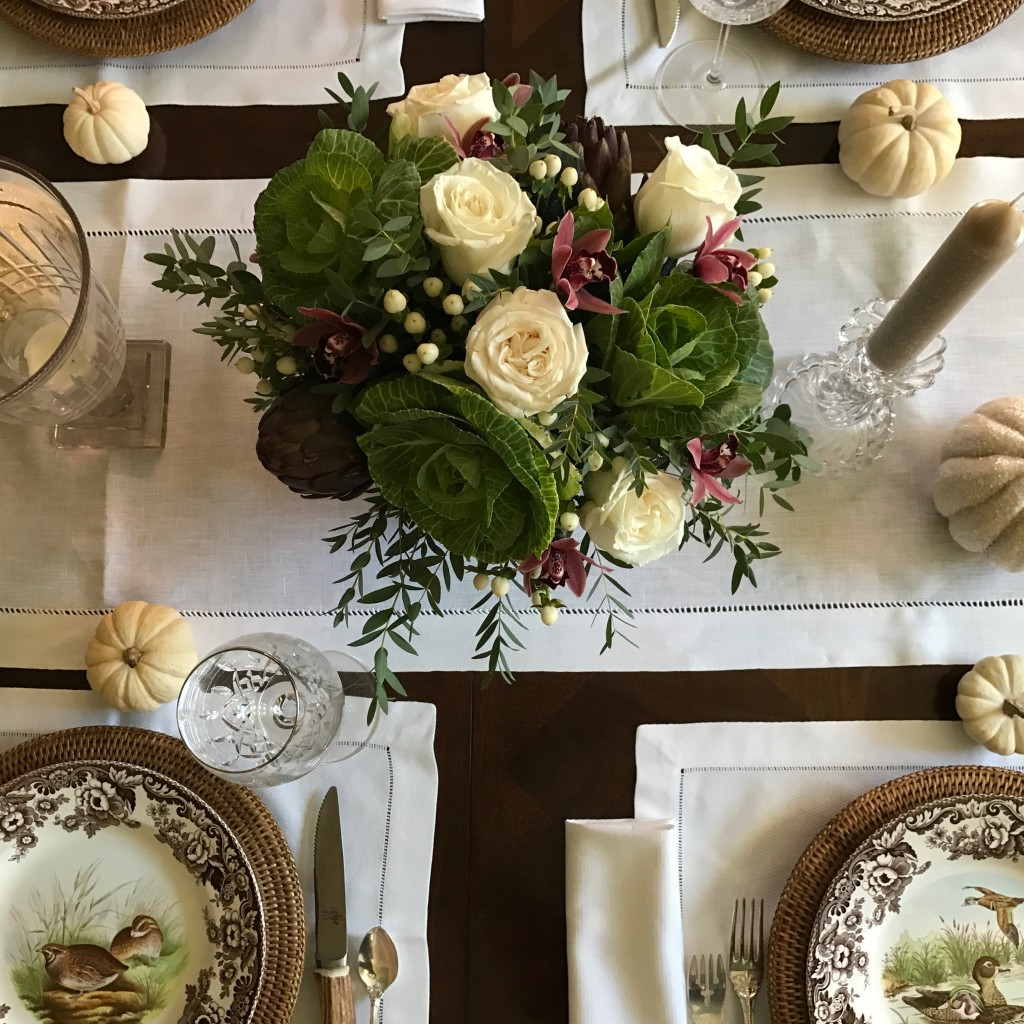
[142,422]
[690,99]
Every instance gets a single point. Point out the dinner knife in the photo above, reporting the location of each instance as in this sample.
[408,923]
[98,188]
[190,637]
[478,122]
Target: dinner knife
[334,985]
[667,12]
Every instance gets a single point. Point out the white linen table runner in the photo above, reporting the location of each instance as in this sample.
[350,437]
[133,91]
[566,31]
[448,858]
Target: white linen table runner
[621,56]
[750,796]
[274,52]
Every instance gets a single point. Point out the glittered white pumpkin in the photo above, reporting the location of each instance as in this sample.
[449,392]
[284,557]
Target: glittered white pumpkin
[140,656]
[980,484]
[990,700]
[899,139]
[106,123]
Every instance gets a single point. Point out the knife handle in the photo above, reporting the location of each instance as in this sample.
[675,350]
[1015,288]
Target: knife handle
[334,988]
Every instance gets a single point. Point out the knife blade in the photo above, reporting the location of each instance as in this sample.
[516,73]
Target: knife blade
[667,12]
[334,984]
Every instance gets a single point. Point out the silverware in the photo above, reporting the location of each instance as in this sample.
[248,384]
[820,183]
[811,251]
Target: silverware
[378,967]
[333,980]
[705,991]
[746,960]
[667,12]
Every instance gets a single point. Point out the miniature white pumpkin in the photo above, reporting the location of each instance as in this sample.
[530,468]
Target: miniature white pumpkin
[898,139]
[980,483]
[106,123]
[990,700]
[140,656]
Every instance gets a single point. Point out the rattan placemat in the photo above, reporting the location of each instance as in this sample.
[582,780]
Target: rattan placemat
[885,42]
[139,36]
[798,907]
[239,808]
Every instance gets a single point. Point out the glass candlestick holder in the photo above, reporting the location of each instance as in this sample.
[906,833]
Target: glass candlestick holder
[844,400]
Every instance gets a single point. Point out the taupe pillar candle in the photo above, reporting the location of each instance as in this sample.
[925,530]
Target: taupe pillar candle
[986,237]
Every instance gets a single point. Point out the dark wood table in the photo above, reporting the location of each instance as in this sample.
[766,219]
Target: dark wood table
[515,761]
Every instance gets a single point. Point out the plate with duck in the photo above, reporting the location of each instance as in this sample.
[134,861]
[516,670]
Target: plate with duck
[126,899]
[921,922]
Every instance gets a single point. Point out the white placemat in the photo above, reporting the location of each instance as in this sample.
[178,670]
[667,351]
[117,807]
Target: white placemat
[868,574]
[984,79]
[276,51]
[388,794]
[750,796]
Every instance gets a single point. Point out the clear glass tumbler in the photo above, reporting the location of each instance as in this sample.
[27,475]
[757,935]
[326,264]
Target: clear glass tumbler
[265,708]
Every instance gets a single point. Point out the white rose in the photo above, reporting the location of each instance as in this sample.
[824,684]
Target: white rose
[687,186]
[635,529]
[464,99]
[478,217]
[525,352]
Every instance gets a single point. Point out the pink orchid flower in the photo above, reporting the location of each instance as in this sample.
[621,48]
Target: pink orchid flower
[708,465]
[337,343]
[520,93]
[560,564]
[575,265]
[476,142]
[720,266]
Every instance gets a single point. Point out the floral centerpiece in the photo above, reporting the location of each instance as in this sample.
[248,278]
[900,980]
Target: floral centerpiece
[530,375]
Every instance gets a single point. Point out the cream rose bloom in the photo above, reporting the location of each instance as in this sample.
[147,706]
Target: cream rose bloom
[687,186]
[464,99]
[478,217]
[525,352]
[635,529]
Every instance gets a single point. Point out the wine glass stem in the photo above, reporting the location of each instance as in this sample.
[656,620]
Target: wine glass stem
[714,72]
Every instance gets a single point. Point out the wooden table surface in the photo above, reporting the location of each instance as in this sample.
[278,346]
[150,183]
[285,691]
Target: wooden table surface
[515,761]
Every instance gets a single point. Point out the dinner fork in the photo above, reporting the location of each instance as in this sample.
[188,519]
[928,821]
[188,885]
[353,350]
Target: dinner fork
[706,989]
[746,958]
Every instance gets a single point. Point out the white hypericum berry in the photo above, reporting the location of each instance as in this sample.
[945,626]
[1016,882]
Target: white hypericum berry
[570,176]
[437,336]
[469,289]
[500,586]
[553,163]
[459,324]
[568,521]
[412,363]
[601,439]
[453,304]
[539,170]
[545,419]
[766,269]
[764,252]
[258,354]
[433,286]
[595,460]
[394,301]
[414,323]
[286,365]
[481,581]
[427,353]
[387,343]
[264,387]
[754,278]
[243,364]
[590,200]
[549,615]
[764,295]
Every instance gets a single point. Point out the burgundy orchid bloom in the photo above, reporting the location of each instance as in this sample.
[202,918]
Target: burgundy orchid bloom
[476,142]
[720,266]
[337,343]
[561,564]
[575,265]
[707,465]
[520,93]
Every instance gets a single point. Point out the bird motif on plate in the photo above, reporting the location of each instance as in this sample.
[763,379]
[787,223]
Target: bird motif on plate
[930,1001]
[1002,906]
[81,968]
[962,1006]
[142,939]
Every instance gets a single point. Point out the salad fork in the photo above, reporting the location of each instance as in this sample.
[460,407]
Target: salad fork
[705,991]
[746,957]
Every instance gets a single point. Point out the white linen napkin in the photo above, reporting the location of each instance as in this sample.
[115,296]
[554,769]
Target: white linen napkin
[622,916]
[397,12]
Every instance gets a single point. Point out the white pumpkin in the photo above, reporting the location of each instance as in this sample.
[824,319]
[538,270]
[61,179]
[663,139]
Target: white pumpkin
[990,700]
[898,139]
[106,123]
[140,656]
[980,484]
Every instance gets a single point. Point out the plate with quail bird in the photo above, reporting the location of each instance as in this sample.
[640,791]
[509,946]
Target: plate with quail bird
[127,899]
[920,924]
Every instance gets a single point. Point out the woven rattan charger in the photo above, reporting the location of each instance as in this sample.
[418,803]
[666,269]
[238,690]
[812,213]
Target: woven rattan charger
[807,885]
[895,41]
[138,36]
[241,811]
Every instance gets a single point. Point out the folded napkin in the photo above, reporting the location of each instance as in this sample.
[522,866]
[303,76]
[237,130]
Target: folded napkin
[625,936]
[400,11]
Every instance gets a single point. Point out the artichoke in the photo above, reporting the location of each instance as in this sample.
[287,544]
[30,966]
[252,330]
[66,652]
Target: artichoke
[311,449]
[605,165]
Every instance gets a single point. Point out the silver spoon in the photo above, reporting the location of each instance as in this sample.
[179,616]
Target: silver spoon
[377,966]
